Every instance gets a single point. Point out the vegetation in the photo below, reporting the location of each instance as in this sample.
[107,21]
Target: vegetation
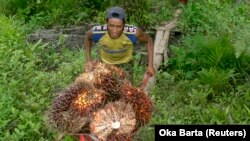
[205,81]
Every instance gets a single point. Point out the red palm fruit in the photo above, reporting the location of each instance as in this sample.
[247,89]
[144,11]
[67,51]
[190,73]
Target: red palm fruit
[87,100]
[142,104]
[70,110]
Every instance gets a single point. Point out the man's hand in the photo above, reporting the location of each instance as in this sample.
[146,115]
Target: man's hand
[150,71]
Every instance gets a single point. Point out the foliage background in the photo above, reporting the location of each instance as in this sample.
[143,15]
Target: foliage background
[205,81]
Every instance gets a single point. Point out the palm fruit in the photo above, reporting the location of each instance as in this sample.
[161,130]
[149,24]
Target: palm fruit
[141,103]
[105,76]
[115,121]
[87,100]
[119,137]
[71,109]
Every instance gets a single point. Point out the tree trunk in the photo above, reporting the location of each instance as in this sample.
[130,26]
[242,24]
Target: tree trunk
[161,47]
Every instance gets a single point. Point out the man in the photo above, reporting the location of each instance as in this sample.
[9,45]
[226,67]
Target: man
[115,41]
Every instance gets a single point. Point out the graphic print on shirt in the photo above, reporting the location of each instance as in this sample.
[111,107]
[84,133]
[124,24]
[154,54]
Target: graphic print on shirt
[115,51]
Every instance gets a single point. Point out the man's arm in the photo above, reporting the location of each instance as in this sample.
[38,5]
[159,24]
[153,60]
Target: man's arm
[88,44]
[145,38]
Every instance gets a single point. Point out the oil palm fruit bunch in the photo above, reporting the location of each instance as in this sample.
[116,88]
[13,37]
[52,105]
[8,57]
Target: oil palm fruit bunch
[115,121]
[119,137]
[71,109]
[142,104]
[105,76]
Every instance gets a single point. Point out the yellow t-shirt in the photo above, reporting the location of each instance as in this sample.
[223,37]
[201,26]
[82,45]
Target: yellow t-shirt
[115,51]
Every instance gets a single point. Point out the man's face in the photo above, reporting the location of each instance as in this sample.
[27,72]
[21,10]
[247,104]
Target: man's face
[115,27]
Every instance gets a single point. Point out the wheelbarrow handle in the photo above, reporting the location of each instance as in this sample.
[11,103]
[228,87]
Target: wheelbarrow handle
[82,137]
[144,81]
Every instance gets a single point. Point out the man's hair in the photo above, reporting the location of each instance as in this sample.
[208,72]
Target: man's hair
[116,12]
